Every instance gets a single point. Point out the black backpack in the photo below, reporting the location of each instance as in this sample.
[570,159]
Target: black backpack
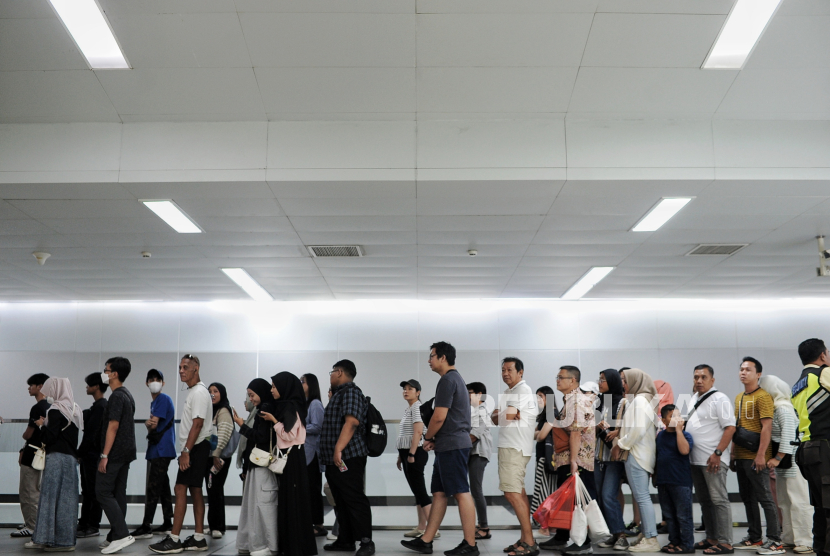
[427,410]
[375,430]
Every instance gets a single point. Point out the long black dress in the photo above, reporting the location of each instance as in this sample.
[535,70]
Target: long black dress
[295,531]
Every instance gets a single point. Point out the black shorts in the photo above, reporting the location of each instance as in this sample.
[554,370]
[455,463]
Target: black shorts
[195,474]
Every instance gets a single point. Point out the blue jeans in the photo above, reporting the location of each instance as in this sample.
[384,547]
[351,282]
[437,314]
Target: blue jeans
[638,481]
[57,516]
[676,505]
[608,476]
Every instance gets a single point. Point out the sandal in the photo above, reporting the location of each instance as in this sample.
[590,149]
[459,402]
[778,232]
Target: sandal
[703,545]
[668,548]
[486,533]
[719,549]
[678,550]
[524,549]
[513,546]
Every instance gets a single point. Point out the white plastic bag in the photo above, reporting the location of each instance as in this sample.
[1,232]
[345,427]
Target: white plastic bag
[579,526]
[587,517]
[596,523]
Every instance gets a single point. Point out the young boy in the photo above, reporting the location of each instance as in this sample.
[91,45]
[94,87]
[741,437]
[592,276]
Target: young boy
[673,479]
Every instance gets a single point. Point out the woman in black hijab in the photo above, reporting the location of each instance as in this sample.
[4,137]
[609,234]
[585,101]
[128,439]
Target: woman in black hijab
[608,474]
[288,413]
[259,499]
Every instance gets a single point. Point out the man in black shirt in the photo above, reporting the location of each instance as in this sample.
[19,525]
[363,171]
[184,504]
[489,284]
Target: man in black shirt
[118,440]
[30,477]
[89,453]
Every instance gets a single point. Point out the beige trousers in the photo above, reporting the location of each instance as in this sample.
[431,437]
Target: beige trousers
[794,501]
[29,495]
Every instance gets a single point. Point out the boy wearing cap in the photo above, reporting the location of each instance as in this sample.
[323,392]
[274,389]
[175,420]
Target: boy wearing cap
[412,459]
[88,452]
[161,450]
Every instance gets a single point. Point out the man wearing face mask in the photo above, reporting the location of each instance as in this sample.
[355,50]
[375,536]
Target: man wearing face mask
[161,450]
[118,440]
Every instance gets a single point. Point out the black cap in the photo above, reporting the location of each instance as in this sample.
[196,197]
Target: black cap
[412,382]
[154,374]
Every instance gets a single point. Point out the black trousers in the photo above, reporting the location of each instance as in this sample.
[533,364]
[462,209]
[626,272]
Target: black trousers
[315,490]
[91,511]
[813,460]
[562,474]
[158,490]
[111,490]
[216,495]
[414,473]
[353,508]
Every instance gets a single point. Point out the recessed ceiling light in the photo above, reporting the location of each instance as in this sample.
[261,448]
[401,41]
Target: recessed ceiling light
[588,281]
[251,286]
[740,33]
[89,28]
[174,216]
[660,214]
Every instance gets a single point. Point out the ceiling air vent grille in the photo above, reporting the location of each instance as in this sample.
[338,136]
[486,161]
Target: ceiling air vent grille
[335,250]
[717,249]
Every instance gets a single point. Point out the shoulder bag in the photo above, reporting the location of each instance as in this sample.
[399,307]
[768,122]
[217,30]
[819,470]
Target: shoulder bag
[39,460]
[746,438]
[155,436]
[260,457]
[700,401]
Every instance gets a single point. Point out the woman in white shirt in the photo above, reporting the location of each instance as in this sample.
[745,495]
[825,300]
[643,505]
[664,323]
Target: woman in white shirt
[412,459]
[636,443]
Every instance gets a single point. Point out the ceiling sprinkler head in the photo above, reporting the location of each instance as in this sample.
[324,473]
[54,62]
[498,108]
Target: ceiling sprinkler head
[41,257]
[146,254]
[472,252]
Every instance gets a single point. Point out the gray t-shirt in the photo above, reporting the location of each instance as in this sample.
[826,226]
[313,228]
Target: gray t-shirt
[452,393]
[121,408]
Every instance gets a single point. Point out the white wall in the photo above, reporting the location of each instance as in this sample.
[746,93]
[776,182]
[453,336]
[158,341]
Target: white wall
[389,341]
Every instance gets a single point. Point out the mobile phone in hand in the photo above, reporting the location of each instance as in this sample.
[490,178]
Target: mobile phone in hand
[343,467]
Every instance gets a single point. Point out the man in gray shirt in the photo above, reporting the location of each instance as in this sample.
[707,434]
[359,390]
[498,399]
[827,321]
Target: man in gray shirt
[449,436]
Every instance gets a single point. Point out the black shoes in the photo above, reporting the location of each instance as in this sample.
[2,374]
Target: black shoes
[163,529]
[366,549]
[338,546]
[190,543]
[87,532]
[418,545]
[320,531]
[167,546]
[575,549]
[463,549]
[143,532]
[553,544]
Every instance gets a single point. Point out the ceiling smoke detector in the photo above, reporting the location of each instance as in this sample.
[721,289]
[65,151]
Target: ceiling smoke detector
[41,257]
[146,254]
[335,250]
[722,249]
[472,252]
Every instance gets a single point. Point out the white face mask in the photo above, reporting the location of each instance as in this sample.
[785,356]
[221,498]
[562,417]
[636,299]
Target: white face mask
[155,387]
[50,400]
[105,378]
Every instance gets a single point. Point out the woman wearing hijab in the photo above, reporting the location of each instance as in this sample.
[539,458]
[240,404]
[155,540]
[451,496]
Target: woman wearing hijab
[791,487]
[257,534]
[609,474]
[544,481]
[288,414]
[313,429]
[217,468]
[636,444]
[666,397]
[57,515]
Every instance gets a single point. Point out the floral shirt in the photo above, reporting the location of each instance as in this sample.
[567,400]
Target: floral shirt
[577,414]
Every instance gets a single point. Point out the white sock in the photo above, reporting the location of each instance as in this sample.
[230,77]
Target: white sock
[199,536]
[174,537]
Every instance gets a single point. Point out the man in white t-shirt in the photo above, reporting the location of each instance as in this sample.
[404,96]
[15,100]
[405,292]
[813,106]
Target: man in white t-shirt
[711,422]
[193,444]
[516,418]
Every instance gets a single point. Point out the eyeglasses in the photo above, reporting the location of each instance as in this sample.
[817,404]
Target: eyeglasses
[602,380]
[334,371]
[302,381]
[558,378]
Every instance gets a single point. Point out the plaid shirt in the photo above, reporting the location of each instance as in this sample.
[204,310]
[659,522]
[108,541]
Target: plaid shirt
[348,399]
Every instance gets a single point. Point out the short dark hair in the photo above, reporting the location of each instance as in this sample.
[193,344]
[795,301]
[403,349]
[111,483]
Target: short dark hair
[37,379]
[810,350]
[121,366]
[443,349]
[347,367]
[572,371]
[667,409]
[477,387]
[707,368]
[154,374]
[758,366]
[94,379]
[520,367]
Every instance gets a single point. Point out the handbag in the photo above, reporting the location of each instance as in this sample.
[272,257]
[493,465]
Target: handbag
[260,457]
[595,522]
[746,438]
[39,460]
[280,460]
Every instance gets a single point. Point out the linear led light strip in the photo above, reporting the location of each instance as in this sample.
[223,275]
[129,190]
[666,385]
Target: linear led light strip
[175,217]
[588,281]
[660,214]
[91,31]
[740,33]
[251,286]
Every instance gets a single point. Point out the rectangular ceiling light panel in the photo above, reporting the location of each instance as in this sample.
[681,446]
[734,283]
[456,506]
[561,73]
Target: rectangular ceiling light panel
[660,214]
[91,31]
[584,284]
[740,33]
[251,286]
[174,216]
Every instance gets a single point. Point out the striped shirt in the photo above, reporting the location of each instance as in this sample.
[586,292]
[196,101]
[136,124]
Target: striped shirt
[411,415]
[752,407]
[784,424]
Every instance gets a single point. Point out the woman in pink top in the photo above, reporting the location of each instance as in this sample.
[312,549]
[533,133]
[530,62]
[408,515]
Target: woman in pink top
[295,532]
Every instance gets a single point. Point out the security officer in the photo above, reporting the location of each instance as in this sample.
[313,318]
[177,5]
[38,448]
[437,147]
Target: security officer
[811,398]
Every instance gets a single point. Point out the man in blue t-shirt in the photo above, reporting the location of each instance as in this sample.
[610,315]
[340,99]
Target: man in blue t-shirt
[673,479]
[161,450]
[449,436]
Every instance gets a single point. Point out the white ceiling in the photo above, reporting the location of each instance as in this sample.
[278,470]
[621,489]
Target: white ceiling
[519,64]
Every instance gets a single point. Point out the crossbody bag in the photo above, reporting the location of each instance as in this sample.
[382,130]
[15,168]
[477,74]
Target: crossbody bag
[745,438]
[700,401]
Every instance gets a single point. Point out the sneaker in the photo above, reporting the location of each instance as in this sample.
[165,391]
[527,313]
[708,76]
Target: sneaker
[21,533]
[331,537]
[190,543]
[418,545]
[622,543]
[770,547]
[88,532]
[338,546]
[464,549]
[553,544]
[21,526]
[104,543]
[366,549]
[59,549]
[414,533]
[163,529]
[115,546]
[701,528]
[802,549]
[584,548]
[748,544]
[167,546]
[646,545]
[633,529]
[217,534]
[609,542]
[143,532]
[32,544]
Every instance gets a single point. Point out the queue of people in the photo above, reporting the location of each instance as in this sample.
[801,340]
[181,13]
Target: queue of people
[625,428]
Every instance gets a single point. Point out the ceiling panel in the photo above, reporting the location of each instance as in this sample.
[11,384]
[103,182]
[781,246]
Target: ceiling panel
[793,41]
[39,44]
[765,92]
[54,96]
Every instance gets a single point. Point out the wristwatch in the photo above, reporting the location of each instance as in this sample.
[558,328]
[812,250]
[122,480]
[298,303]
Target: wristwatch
[411,455]
[430,439]
[718,452]
[104,456]
[779,458]
[185,450]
